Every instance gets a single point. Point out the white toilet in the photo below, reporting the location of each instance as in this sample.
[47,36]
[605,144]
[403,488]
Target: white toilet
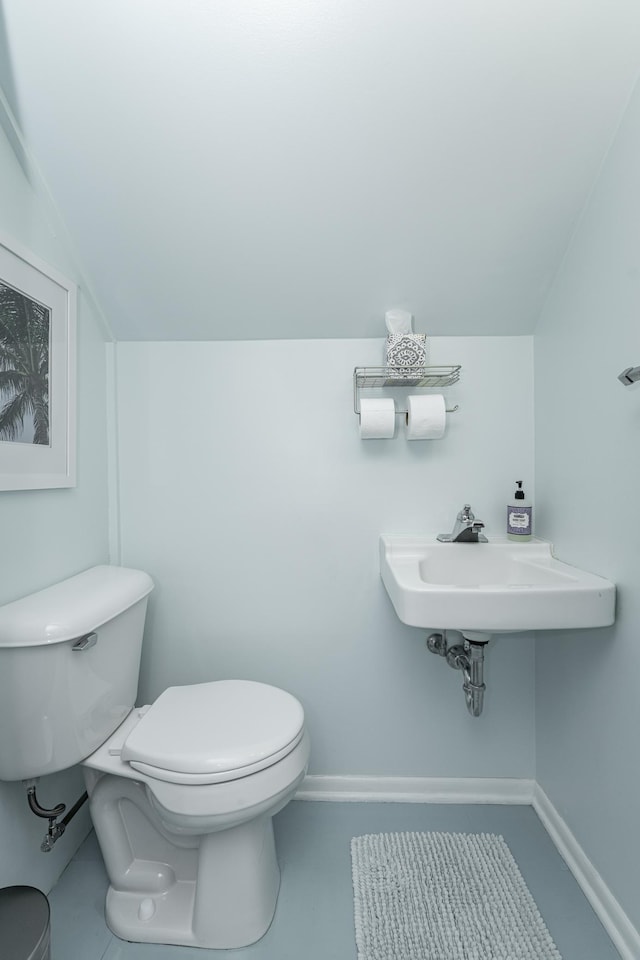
[182,792]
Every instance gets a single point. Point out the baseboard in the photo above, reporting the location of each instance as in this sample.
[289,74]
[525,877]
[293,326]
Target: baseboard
[417,789]
[624,935]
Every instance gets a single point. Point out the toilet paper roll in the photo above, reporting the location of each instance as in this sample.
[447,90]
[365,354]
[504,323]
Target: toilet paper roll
[426,417]
[377,418]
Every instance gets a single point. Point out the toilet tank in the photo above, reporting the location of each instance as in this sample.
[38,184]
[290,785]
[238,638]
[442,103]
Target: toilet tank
[69,664]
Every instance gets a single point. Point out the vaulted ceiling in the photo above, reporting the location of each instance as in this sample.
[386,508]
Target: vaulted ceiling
[232,169]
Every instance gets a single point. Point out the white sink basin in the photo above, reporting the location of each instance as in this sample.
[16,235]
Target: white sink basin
[495,587]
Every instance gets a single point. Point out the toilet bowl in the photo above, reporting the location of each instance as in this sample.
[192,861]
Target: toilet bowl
[182,791]
[190,852]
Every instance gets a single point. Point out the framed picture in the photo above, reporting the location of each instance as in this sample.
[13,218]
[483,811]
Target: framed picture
[37,373]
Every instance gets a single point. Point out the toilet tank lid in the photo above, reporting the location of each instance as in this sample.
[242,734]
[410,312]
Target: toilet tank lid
[72,607]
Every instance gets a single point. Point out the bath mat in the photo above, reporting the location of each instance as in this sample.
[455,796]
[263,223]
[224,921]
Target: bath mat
[443,896]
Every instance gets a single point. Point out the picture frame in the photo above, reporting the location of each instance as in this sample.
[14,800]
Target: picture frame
[37,372]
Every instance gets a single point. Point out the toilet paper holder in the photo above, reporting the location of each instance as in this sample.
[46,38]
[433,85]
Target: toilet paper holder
[366,378]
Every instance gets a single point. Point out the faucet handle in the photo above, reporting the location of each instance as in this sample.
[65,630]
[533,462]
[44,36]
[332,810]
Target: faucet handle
[466,530]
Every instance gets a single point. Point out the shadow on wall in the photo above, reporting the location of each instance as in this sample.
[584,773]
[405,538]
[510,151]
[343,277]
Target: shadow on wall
[9,109]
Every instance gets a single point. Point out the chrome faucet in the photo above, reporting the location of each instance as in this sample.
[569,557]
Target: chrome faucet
[466,530]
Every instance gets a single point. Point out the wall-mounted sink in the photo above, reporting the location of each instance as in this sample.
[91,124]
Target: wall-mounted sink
[495,587]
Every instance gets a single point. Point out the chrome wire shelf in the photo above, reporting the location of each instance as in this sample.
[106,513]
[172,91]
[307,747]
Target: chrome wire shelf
[365,378]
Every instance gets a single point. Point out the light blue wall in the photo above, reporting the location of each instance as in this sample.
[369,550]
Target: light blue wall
[248,495]
[321,161]
[588,480]
[51,534]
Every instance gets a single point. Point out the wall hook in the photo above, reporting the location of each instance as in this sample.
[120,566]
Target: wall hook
[629,376]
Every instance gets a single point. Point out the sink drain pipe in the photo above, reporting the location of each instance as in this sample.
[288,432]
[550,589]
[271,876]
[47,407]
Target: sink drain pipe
[468,657]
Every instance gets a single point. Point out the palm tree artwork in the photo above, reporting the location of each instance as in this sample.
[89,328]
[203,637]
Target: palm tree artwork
[24,367]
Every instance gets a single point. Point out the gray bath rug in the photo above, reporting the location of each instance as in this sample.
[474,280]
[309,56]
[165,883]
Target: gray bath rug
[443,896]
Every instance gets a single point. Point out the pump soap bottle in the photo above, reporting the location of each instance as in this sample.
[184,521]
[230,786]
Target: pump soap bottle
[519,516]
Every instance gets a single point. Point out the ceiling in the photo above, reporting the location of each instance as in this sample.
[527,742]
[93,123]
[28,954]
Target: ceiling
[250,169]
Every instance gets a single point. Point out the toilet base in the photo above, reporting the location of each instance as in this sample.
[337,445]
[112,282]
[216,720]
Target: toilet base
[230,904]
[190,865]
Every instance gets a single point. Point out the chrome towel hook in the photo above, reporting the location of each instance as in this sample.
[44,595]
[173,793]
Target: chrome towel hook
[629,376]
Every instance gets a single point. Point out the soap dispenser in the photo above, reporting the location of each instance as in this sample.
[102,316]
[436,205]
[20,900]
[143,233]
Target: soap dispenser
[519,516]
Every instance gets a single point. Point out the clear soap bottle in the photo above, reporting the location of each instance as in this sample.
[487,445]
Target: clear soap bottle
[519,516]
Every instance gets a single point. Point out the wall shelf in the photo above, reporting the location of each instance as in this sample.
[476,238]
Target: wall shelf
[365,378]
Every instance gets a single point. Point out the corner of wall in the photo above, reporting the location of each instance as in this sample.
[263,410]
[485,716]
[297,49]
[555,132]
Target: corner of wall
[113,467]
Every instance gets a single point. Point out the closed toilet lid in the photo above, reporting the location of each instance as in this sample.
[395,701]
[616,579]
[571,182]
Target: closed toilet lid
[208,732]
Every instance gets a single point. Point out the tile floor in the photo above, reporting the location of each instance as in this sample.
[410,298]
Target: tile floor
[314,917]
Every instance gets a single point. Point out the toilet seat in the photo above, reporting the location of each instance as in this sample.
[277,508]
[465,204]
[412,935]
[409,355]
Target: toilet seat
[214,732]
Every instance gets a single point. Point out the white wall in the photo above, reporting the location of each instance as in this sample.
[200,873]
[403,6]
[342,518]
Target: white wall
[588,473]
[249,497]
[50,534]
[243,170]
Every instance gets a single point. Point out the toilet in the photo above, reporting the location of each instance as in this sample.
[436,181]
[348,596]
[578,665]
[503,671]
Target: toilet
[182,791]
